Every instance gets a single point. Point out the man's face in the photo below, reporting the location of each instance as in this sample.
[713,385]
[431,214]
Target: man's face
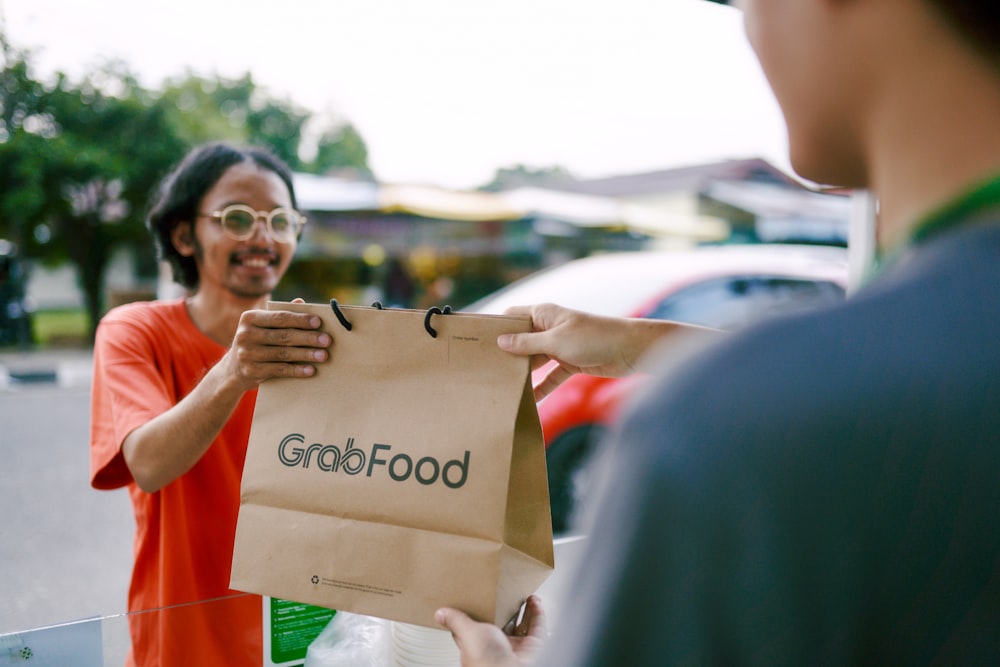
[250,269]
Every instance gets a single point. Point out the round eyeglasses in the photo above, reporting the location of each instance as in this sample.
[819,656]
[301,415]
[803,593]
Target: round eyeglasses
[239,222]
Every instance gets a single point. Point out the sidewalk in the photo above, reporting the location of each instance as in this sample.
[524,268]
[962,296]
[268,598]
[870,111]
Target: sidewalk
[66,367]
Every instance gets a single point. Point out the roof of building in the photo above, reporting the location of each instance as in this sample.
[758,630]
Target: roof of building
[691,178]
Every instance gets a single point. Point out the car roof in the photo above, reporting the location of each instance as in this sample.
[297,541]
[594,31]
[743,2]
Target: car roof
[619,283]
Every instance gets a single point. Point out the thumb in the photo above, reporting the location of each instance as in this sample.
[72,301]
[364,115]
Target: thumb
[523,344]
[453,620]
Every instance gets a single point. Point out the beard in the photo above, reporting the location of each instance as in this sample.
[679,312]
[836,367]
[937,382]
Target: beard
[252,287]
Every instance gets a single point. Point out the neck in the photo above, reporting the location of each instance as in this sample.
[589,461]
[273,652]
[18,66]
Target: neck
[935,136]
[218,316]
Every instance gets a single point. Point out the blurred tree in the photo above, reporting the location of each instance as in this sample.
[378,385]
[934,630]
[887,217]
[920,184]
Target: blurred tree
[341,150]
[237,110]
[519,175]
[78,163]
[212,109]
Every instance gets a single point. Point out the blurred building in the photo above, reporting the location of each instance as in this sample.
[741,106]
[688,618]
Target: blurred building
[754,200]
[418,245]
[366,241]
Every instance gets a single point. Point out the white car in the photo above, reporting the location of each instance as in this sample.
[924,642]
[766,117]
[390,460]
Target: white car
[724,287]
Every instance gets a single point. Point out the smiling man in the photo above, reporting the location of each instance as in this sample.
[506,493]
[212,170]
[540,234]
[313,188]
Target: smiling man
[173,397]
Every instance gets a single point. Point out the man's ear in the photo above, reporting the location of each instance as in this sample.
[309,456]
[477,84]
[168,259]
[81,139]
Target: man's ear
[182,236]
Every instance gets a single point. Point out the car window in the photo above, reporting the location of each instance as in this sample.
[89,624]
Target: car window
[733,302]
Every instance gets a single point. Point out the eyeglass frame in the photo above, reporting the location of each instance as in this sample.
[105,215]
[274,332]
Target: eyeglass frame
[219,215]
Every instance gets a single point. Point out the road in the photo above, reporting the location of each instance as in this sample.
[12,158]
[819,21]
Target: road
[65,549]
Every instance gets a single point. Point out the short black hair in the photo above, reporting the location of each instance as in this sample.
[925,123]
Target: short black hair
[976,20]
[182,190]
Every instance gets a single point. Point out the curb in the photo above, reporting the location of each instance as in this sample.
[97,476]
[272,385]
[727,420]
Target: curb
[36,370]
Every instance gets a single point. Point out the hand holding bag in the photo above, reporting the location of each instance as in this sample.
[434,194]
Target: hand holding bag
[406,475]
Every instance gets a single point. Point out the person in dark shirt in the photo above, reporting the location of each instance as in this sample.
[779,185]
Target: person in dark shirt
[822,488]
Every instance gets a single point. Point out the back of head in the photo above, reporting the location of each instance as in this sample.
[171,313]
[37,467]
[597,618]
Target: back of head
[182,190]
[977,21]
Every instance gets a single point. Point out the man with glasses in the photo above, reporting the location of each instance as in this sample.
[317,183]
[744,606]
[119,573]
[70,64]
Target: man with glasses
[173,397]
[823,489]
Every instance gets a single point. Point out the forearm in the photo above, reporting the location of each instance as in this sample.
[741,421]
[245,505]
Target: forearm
[167,446]
[636,337]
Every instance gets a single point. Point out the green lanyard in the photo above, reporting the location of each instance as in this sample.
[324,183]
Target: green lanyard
[958,212]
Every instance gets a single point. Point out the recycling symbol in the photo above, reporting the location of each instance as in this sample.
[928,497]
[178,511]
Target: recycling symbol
[315,579]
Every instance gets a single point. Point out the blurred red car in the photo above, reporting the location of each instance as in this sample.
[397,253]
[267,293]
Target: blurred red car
[724,287]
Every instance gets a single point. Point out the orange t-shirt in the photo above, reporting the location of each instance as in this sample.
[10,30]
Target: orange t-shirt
[147,357]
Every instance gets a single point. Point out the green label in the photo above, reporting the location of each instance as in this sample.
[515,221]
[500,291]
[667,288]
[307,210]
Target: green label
[294,626]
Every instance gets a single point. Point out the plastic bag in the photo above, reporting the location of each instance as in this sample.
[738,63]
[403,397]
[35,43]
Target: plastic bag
[351,640]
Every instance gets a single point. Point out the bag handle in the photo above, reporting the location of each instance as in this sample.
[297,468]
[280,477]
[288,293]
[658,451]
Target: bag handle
[434,310]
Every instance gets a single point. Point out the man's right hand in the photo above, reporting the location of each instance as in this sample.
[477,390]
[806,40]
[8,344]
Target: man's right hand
[579,342]
[276,344]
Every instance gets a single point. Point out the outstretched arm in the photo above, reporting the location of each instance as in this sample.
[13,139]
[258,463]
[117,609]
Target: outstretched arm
[581,342]
[268,344]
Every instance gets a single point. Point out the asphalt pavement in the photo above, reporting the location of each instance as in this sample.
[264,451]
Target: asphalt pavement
[66,549]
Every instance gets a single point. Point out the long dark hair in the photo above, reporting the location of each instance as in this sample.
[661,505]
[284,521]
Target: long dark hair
[182,190]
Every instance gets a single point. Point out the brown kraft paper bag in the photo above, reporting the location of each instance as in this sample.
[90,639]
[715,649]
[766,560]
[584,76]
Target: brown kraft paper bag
[406,475]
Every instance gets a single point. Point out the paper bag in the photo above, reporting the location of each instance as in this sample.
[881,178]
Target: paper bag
[406,475]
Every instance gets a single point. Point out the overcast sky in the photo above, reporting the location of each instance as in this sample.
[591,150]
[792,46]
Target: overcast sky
[446,91]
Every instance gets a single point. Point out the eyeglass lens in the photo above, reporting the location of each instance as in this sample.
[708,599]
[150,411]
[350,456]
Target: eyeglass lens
[241,223]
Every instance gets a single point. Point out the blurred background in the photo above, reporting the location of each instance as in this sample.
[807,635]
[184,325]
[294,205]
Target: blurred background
[605,155]
[442,149]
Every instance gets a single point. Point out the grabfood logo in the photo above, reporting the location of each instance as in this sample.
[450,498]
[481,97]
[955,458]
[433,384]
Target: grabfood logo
[293,452]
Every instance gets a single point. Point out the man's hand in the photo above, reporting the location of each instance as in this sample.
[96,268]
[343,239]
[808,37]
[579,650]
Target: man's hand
[486,645]
[276,343]
[268,344]
[579,342]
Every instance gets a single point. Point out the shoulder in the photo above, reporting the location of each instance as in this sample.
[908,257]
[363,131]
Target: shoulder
[145,328]
[146,316]
[816,380]
[145,311]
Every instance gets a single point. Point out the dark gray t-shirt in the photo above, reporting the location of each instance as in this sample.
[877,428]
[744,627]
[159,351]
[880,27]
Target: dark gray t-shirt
[822,489]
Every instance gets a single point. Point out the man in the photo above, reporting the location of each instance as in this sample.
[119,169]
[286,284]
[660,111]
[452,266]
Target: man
[173,396]
[820,489]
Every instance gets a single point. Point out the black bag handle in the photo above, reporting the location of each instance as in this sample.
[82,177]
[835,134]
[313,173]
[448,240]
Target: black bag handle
[434,310]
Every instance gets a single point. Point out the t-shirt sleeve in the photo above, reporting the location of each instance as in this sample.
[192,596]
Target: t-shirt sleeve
[129,388]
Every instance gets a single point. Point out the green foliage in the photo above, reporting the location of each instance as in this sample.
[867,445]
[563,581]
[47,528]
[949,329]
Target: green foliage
[341,149]
[237,110]
[80,160]
[519,175]
[53,327]
[234,110]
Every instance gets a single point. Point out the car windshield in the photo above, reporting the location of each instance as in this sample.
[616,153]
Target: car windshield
[601,285]
[735,301]
[629,284]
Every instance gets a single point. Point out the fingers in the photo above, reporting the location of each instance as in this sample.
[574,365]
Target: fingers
[555,377]
[533,622]
[271,344]
[480,644]
[520,311]
[281,319]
